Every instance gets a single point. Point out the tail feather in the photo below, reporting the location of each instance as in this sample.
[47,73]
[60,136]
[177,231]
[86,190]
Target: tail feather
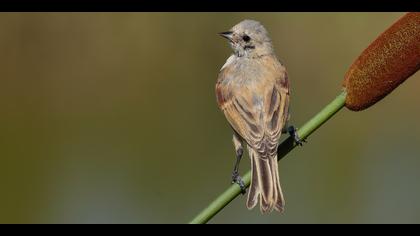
[265,183]
[253,191]
[279,203]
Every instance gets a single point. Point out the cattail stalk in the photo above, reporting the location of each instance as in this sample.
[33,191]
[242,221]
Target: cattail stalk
[285,147]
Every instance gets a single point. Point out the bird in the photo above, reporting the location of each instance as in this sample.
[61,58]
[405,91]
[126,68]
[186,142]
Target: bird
[252,91]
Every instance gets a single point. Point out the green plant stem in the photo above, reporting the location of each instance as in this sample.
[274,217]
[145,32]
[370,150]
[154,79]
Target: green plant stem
[285,147]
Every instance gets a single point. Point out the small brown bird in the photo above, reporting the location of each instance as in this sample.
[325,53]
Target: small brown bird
[252,90]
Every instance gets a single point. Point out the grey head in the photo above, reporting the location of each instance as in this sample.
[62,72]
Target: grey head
[249,38]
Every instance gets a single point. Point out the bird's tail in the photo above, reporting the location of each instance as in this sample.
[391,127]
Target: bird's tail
[265,183]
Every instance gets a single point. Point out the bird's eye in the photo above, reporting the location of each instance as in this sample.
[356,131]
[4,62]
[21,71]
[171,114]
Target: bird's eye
[246,38]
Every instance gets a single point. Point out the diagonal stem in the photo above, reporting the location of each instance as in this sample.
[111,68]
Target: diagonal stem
[285,147]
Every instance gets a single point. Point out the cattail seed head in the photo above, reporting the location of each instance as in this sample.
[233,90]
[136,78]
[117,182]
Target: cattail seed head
[384,64]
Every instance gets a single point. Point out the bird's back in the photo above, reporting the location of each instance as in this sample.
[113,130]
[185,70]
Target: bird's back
[253,93]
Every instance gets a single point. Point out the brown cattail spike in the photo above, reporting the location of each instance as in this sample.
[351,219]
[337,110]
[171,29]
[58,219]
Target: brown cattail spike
[386,63]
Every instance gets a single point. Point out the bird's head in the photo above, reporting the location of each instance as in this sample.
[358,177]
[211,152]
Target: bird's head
[249,38]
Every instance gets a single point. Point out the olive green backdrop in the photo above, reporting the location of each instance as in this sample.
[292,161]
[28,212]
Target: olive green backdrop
[112,118]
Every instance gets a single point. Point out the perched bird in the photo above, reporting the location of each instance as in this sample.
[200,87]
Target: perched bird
[252,90]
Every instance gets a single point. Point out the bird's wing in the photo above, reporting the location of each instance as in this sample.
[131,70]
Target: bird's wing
[276,112]
[257,108]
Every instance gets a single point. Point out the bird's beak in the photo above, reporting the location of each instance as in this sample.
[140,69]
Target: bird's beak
[227,35]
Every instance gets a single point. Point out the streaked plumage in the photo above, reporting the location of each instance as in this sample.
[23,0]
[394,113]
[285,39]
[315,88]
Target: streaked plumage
[253,92]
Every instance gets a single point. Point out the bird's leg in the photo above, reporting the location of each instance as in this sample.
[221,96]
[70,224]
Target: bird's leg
[292,131]
[236,178]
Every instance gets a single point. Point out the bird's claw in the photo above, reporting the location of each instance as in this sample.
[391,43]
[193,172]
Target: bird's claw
[295,135]
[236,178]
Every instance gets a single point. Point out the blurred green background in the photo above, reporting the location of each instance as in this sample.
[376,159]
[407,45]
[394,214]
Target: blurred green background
[112,118]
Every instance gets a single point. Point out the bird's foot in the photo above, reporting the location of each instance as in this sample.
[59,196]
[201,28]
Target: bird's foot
[293,132]
[236,178]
